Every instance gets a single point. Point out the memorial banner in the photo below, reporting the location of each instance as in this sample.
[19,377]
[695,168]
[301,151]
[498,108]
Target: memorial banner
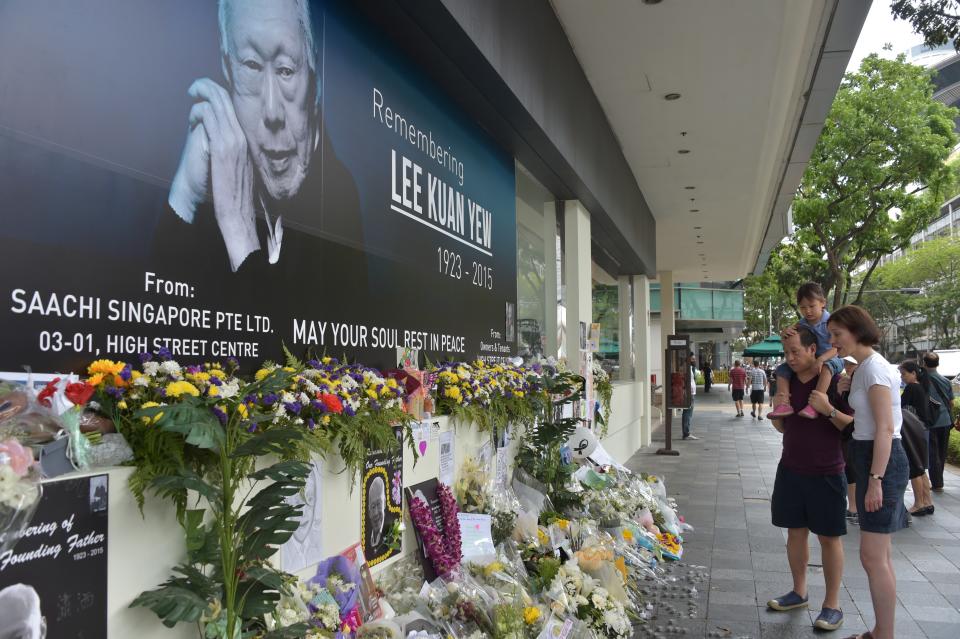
[222,179]
[53,581]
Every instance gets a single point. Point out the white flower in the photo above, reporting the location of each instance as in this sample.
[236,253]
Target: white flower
[16,493]
[151,368]
[142,380]
[229,389]
[171,368]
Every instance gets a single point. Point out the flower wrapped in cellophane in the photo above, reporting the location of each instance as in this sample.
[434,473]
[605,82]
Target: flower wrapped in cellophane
[20,491]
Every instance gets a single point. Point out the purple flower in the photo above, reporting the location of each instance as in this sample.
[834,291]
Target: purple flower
[374,405]
[293,407]
[312,363]
[145,357]
[115,392]
[269,399]
[234,362]
[348,410]
[216,381]
[311,424]
[250,399]
[222,416]
[164,353]
[162,392]
[126,373]
[252,428]
[194,369]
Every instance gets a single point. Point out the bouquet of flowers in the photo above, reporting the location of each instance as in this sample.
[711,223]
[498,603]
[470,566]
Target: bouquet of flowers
[443,550]
[339,578]
[491,395]
[20,491]
[356,407]
[575,593]
[309,605]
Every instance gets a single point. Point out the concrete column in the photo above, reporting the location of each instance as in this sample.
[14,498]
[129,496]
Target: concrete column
[625,300]
[667,322]
[641,353]
[576,232]
[551,281]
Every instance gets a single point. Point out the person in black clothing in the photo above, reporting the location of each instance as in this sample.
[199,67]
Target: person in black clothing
[915,397]
[707,377]
[939,390]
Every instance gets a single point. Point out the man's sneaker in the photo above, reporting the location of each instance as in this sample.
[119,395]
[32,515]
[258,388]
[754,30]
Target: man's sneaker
[690,437]
[788,601]
[808,412]
[753,414]
[853,518]
[781,411]
[829,619]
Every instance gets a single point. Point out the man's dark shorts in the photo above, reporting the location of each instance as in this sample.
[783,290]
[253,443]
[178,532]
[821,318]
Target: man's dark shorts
[737,394]
[756,397]
[816,502]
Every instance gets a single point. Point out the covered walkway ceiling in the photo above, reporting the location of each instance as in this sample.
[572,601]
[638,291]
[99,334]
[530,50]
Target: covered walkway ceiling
[755,80]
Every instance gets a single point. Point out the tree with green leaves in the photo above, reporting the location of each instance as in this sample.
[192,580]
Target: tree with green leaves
[769,299]
[933,267]
[878,173]
[938,21]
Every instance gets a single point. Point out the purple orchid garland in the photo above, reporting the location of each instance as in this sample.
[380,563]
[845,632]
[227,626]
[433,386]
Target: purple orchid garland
[445,555]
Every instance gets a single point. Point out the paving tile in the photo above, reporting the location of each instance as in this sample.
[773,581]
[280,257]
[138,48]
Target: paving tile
[938,630]
[946,614]
[731,612]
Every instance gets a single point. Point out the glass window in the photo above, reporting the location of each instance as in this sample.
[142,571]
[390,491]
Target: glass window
[533,290]
[606,313]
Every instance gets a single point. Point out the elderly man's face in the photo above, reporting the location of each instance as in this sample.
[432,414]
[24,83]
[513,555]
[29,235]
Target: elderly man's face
[272,90]
[799,357]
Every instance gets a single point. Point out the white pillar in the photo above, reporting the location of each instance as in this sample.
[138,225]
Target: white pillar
[551,281]
[641,352]
[667,323]
[576,232]
[625,300]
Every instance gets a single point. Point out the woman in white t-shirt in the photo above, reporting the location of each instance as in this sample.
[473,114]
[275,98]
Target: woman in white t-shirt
[877,456]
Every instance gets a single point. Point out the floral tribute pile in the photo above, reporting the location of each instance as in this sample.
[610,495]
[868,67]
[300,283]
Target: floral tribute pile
[570,540]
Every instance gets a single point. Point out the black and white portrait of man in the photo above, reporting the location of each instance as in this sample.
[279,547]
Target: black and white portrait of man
[20,615]
[376,511]
[252,142]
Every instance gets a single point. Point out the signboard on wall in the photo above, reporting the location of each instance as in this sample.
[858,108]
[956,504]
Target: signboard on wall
[171,177]
[55,577]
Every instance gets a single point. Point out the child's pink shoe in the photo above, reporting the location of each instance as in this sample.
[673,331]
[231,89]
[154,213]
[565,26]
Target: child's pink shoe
[781,411]
[808,412]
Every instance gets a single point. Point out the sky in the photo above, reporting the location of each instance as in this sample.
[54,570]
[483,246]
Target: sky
[879,29]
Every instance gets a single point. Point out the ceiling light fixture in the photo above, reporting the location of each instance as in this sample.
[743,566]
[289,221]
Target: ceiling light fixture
[652,1]
[694,210]
[689,188]
[683,151]
[670,97]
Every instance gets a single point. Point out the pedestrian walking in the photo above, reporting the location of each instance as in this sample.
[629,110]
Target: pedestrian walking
[737,382]
[758,385]
[809,492]
[707,377]
[687,415]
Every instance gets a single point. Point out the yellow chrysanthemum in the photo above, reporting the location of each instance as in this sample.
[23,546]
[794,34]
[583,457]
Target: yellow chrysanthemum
[216,372]
[122,405]
[199,376]
[176,389]
[262,373]
[325,420]
[531,614]
[628,535]
[371,393]
[563,523]
[95,380]
[492,567]
[242,409]
[156,418]
[391,382]
[105,366]
[213,391]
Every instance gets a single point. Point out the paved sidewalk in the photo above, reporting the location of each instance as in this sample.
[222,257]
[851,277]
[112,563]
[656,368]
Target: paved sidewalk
[723,484]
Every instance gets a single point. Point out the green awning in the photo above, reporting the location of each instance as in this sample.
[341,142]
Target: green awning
[770,347]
